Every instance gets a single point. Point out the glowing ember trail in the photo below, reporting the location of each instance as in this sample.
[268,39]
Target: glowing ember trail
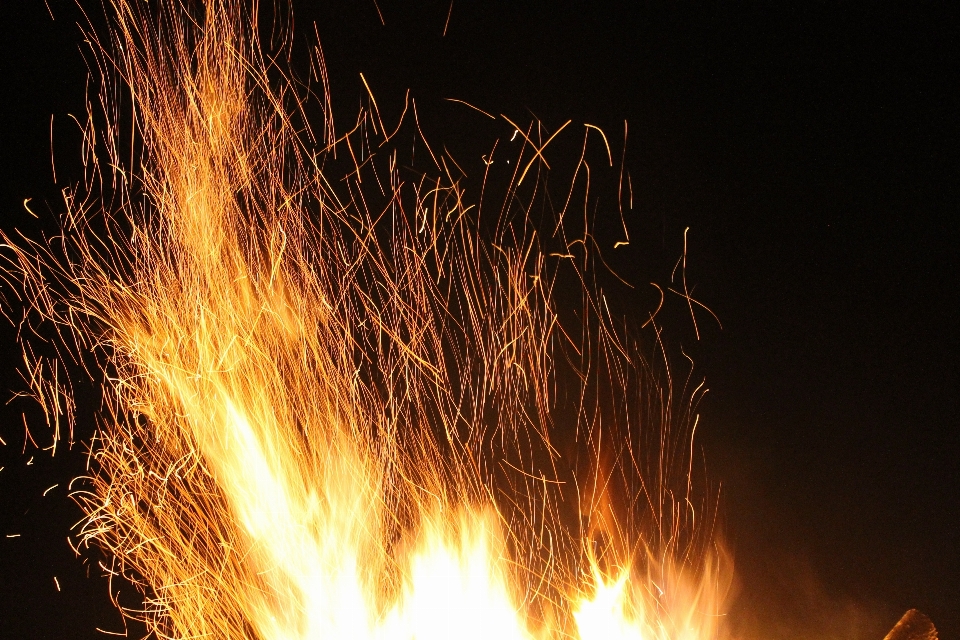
[332,395]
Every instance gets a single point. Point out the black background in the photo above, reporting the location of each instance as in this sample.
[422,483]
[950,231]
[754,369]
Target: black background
[809,148]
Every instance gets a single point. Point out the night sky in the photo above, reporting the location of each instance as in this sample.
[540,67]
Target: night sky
[810,149]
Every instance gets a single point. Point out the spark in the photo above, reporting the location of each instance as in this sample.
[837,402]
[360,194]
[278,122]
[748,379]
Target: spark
[475,108]
[29,210]
[447,23]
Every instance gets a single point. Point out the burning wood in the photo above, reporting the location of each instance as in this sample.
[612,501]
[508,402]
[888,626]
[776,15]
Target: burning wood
[914,625]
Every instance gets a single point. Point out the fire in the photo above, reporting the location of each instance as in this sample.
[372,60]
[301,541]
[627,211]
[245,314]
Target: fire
[330,401]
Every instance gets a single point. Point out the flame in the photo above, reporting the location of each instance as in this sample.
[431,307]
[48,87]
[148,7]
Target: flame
[330,402]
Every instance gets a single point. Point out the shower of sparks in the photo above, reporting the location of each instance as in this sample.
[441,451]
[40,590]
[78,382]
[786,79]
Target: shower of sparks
[332,396]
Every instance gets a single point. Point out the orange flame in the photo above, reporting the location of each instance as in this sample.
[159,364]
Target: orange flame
[331,401]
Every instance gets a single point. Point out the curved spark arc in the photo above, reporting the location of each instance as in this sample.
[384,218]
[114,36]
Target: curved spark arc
[331,401]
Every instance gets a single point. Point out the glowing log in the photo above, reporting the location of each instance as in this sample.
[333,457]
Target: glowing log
[913,626]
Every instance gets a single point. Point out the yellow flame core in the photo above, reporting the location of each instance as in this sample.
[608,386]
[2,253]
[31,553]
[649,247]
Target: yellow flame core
[331,419]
